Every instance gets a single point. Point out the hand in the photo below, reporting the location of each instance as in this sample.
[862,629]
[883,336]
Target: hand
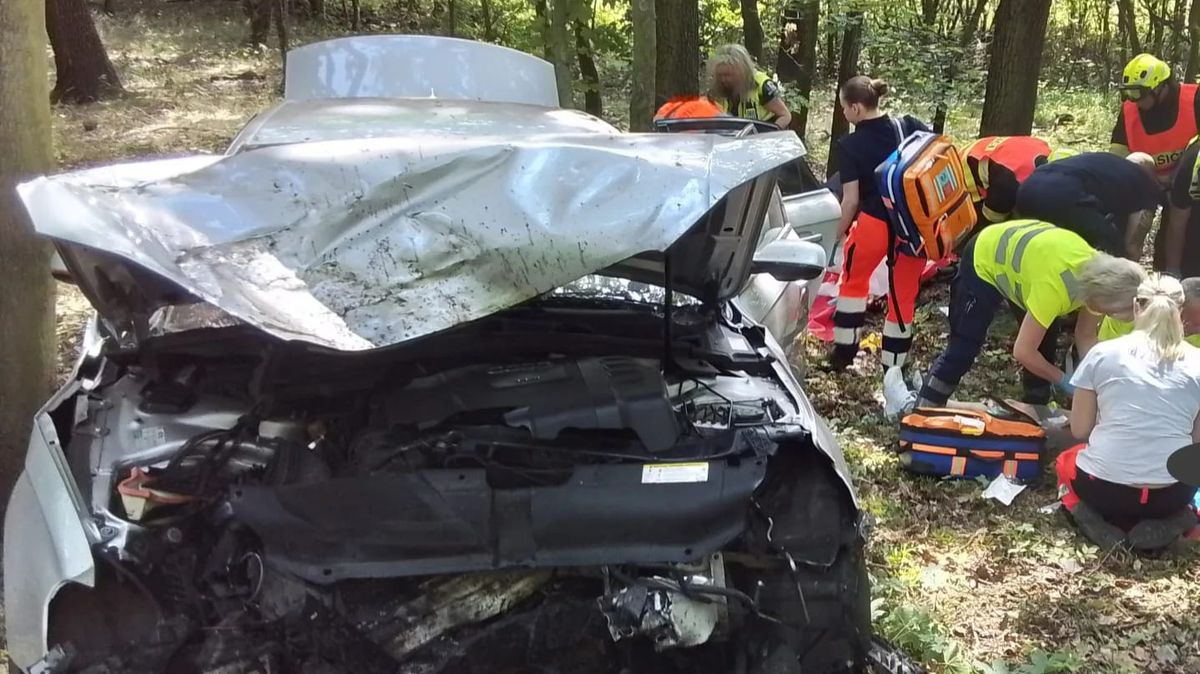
[1065,386]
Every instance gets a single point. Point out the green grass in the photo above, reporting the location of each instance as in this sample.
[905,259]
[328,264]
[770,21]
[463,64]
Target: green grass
[965,585]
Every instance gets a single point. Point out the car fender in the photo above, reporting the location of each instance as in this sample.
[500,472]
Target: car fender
[46,541]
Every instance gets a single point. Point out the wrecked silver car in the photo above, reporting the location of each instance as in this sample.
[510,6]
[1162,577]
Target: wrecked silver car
[440,397]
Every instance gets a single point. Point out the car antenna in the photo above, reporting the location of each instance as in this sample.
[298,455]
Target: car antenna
[668,305]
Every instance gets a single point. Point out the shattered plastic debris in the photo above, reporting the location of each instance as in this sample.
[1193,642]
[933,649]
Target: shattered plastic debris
[1003,489]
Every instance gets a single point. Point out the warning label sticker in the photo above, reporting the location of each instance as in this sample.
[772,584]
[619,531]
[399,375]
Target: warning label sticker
[674,473]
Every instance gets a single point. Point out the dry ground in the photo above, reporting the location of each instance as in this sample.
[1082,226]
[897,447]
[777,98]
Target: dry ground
[965,585]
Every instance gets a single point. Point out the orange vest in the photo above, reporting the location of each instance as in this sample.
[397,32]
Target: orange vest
[1165,147]
[688,107]
[1015,153]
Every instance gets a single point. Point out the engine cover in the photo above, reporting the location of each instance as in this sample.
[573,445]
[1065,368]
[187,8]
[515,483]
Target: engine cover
[548,397]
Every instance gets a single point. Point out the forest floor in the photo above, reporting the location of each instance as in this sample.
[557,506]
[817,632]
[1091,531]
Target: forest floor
[962,583]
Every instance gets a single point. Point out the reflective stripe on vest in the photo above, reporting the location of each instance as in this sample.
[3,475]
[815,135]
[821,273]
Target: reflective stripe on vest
[1015,153]
[1010,288]
[753,108]
[1166,146]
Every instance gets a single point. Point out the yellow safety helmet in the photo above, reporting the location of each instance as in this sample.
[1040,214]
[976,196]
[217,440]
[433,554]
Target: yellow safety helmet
[1145,72]
[1061,153]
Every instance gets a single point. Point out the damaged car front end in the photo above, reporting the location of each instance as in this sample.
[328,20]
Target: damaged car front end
[428,404]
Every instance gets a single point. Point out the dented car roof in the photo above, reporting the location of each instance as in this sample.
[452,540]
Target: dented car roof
[354,241]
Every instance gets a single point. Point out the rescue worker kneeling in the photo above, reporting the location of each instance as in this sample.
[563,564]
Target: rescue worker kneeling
[995,166]
[1138,402]
[1045,272]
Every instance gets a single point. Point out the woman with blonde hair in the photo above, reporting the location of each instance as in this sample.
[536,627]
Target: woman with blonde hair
[741,90]
[1137,401]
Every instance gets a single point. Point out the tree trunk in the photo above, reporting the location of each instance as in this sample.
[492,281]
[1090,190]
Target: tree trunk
[641,95]
[1127,25]
[592,101]
[1012,82]
[970,27]
[260,12]
[752,30]
[26,290]
[489,27]
[831,50]
[1106,42]
[355,15]
[558,42]
[82,69]
[316,8]
[451,18]
[1178,31]
[847,68]
[1193,59]
[797,62]
[677,58]
[281,31]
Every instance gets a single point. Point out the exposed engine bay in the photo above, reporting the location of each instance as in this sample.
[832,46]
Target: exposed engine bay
[513,497]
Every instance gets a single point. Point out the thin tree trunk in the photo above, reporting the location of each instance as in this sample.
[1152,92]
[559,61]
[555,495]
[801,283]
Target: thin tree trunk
[847,68]
[452,18]
[641,95]
[1178,30]
[281,31]
[593,103]
[831,50]
[752,30]
[558,42]
[677,59]
[489,28]
[83,72]
[1016,62]
[970,27]
[1128,25]
[797,62]
[355,15]
[1106,41]
[26,290]
[1193,59]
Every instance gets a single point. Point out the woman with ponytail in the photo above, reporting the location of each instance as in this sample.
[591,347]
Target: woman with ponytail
[864,225]
[1137,401]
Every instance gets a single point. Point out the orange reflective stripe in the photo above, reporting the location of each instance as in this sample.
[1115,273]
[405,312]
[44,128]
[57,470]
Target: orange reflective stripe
[958,466]
[935,449]
[1167,146]
[1010,468]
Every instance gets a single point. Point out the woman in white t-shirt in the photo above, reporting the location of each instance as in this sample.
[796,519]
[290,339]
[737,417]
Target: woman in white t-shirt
[1137,401]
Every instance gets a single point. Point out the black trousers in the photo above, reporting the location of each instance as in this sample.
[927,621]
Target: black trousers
[1063,202]
[1125,506]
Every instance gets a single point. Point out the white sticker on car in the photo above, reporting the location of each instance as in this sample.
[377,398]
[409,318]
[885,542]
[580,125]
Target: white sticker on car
[149,437]
[674,473]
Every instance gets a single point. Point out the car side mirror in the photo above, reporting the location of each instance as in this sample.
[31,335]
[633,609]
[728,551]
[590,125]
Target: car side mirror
[790,260]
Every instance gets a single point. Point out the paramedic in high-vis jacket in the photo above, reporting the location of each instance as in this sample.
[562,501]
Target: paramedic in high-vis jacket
[1046,273]
[1159,116]
[737,86]
[994,167]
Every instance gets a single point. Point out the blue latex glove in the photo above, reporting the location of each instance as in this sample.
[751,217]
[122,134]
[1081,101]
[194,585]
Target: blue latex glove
[1065,385]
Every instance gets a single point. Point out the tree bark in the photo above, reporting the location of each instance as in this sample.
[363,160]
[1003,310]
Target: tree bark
[26,290]
[797,62]
[831,50]
[847,68]
[593,103]
[752,30]
[260,13]
[558,42]
[1012,83]
[451,18]
[969,30]
[677,58]
[641,95]
[1193,58]
[1127,25]
[316,8]
[489,27]
[355,15]
[83,72]
[281,31]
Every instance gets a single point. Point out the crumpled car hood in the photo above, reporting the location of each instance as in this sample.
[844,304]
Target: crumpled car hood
[364,243]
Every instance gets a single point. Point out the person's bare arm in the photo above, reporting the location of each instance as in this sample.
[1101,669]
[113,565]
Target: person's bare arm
[1136,228]
[1025,350]
[849,208]
[1083,413]
[1087,332]
[1176,237]
[783,116]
